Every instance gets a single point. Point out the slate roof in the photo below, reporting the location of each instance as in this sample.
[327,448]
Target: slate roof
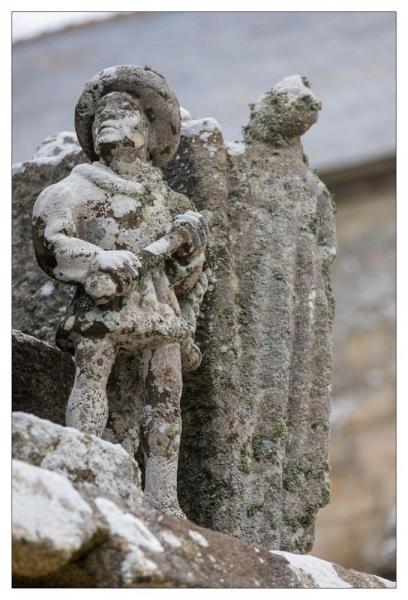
[219,62]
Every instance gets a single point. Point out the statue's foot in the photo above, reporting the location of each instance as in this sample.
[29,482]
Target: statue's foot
[173,509]
[174,512]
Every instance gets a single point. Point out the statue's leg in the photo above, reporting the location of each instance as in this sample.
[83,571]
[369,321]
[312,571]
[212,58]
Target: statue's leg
[161,426]
[126,399]
[87,408]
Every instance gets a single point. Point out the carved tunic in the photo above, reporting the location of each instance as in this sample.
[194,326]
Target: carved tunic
[96,205]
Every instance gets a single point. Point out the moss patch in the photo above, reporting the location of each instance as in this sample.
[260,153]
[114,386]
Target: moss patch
[266,445]
[253,509]
[244,464]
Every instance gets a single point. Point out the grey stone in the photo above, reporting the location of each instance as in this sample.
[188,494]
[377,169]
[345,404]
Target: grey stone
[42,377]
[135,250]
[254,446]
[51,521]
[285,242]
[254,452]
[38,304]
[100,543]
[212,395]
[91,464]
[157,100]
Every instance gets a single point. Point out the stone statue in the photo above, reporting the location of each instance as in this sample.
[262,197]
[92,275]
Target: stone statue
[254,451]
[134,248]
[253,459]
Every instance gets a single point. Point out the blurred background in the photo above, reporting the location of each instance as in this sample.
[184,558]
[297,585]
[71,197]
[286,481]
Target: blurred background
[217,63]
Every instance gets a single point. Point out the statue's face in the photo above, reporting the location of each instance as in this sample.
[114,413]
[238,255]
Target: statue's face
[287,111]
[120,129]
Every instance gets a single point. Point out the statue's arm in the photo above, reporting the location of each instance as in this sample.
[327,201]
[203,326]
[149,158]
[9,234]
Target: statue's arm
[60,253]
[70,259]
[186,264]
[185,276]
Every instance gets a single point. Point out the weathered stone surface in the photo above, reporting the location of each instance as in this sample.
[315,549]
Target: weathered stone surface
[155,96]
[51,521]
[255,413]
[63,539]
[315,572]
[38,304]
[135,250]
[91,464]
[285,242]
[212,396]
[254,457]
[42,377]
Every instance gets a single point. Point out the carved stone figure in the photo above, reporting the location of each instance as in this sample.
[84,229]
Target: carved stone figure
[254,451]
[134,248]
[286,221]
[254,447]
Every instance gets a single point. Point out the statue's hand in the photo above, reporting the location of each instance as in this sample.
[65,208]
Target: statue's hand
[196,229]
[101,287]
[113,272]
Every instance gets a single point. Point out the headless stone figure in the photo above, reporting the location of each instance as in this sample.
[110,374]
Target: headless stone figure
[135,250]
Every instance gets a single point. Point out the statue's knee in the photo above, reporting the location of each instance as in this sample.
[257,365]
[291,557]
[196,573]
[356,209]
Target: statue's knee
[94,363]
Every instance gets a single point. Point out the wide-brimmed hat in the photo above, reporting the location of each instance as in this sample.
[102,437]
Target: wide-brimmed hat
[157,99]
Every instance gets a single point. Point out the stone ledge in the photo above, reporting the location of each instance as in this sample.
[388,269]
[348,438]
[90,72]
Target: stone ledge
[97,539]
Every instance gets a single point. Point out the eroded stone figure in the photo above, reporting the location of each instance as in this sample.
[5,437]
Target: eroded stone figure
[135,250]
[254,453]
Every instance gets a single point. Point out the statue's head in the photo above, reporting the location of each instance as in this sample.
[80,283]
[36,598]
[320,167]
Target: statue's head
[121,128]
[130,112]
[284,113]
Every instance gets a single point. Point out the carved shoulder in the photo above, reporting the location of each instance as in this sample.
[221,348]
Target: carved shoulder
[58,199]
[55,219]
